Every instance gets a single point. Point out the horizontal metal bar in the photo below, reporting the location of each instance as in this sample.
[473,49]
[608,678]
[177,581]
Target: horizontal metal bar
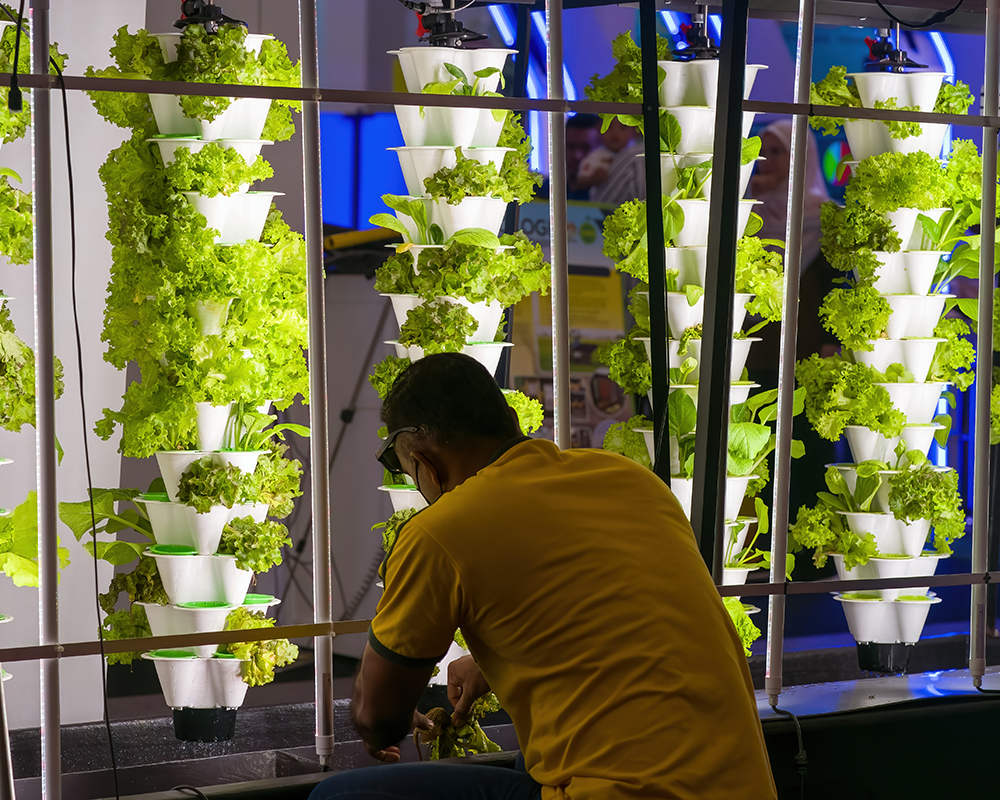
[829,587]
[353,96]
[846,112]
[147,643]
[344,628]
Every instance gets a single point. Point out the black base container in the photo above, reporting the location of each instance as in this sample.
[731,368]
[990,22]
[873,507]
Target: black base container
[204,724]
[887,659]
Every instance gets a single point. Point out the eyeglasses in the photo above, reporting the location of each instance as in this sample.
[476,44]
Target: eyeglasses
[387,455]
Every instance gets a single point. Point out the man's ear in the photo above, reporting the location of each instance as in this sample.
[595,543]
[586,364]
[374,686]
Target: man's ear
[429,469]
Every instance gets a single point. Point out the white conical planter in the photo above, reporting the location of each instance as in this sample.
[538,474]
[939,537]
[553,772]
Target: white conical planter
[256,511]
[681,315]
[738,392]
[211,315]
[915,355]
[696,83]
[420,163]
[918,89]
[173,464]
[697,128]
[169,41]
[904,220]
[486,353]
[925,314]
[911,614]
[917,401]
[740,352]
[194,578]
[170,119]
[736,491]
[925,565]
[472,212]
[695,231]
[189,618]
[891,536]
[867,445]
[404,498]
[877,567]
[735,576]
[487,315]
[670,164]
[215,210]
[448,127]
[247,217]
[176,523]
[245,460]
[191,682]
[424,64]
[248,149]
[244,119]
[919,267]
[690,263]
[211,422]
[736,538]
[869,618]
[870,137]
[260,602]
[890,278]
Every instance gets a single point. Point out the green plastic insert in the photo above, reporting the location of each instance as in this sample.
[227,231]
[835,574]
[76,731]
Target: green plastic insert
[155,497]
[173,654]
[257,599]
[860,596]
[172,550]
[204,604]
[223,655]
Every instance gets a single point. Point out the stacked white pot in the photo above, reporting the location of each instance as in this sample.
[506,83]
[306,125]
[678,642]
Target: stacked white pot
[870,137]
[430,137]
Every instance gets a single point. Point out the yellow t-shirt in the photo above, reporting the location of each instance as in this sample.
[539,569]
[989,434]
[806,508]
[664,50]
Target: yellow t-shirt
[577,584]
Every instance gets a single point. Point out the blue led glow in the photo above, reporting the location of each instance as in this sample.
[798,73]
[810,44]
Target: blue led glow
[670,20]
[948,66]
[535,132]
[715,21]
[502,21]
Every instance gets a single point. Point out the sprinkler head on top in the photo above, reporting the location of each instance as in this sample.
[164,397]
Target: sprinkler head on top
[885,56]
[701,46]
[206,14]
[438,26]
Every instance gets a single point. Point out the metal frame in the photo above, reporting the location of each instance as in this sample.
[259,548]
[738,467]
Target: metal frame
[719,301]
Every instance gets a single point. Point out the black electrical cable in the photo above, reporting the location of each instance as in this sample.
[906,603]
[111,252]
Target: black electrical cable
[934,19]
[19,22]
[14,102]
[800,757]
[981,690]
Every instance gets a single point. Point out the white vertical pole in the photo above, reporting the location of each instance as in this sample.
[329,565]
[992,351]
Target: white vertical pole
[558,243]
[319,446]
[984,354]
[786,357]
[48,559]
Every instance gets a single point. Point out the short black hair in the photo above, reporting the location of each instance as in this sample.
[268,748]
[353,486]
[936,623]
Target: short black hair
[451,398]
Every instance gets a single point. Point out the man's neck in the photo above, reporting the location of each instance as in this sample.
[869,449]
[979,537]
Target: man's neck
[464,463]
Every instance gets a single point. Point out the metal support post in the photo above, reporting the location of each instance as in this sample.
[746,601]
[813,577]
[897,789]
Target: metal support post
[984,351]
[786,358]
[559,246]
[6,764]
[711,437]
[654,239]
[45,412]
[319,446]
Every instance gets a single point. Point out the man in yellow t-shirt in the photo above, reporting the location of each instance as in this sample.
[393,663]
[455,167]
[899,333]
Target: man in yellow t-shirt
[587,608]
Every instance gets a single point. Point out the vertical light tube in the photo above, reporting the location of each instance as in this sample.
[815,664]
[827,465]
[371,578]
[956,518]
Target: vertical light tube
[786,356]
[6,765]
[319,427]
[45,412]
[984,356]
[558,244]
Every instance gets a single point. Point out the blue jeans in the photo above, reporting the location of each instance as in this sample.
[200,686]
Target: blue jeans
[430,781]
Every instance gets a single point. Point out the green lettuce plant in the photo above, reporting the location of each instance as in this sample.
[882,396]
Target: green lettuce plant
[438,326]
[927,492]
[745,629]
[262,657]
[624,438]
[17,377]
[214,170]
[855,315]
[624,83]
[256,545]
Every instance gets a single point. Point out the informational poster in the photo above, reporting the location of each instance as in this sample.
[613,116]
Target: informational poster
[596,316]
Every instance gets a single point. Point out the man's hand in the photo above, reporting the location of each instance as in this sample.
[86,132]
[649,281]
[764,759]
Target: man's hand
[390,755]
[466,685]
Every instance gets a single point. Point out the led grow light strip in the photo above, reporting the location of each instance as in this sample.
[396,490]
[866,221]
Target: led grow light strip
[500,19]
[947,65]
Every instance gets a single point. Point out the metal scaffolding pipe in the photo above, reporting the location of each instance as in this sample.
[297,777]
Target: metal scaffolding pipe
[45,412]
[786,356]
[319,448]
[558,243]
[984,353]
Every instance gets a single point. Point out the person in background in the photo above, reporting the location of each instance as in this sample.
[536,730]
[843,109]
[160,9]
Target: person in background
[581,140]
[770,184]
[612,172]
